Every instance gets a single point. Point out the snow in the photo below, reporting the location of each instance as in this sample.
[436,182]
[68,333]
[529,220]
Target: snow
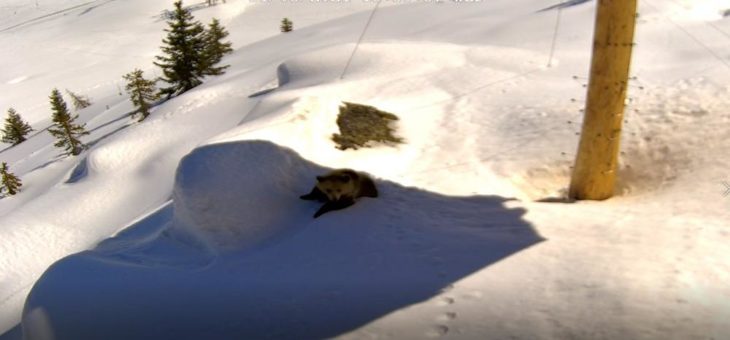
[188,225]
[305,272]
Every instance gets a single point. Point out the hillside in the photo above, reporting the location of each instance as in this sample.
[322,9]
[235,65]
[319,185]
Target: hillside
[188,225]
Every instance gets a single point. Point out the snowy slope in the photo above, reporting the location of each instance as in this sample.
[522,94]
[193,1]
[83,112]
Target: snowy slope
[307,278]
[443,252]
[124,175]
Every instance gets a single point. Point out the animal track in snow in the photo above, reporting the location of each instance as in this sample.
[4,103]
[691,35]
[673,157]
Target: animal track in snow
[474,295]
[445,301]
[447,316]
[437,331]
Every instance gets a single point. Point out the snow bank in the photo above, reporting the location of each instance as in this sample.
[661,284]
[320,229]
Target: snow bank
[307,278]
[239,194]
[482,115]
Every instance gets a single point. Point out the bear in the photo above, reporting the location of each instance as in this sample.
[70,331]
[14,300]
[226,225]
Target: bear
[339,189]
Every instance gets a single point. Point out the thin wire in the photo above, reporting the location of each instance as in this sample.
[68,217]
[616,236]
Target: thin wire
[697,40]
[478,89]
[48,15]
[454,97]
[359,40]
[709,23]
[555,34]
[727,35]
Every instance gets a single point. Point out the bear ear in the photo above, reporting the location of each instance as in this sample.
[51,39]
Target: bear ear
[320,178]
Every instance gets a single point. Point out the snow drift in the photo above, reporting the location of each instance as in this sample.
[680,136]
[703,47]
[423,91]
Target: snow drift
[482,115]
[188,272]
[237,195]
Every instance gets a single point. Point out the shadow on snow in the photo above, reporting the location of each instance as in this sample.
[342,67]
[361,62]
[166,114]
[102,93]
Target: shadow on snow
[301,278]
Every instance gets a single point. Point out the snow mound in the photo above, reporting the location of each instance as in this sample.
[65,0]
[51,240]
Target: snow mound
[274,271]
[240,194]
[315,67]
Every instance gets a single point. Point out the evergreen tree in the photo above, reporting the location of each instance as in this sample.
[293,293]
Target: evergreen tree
[215,49]
[10,182]
[141,91]
[286,25]
[182,58]
[79,101]
[15,129]
[66,132]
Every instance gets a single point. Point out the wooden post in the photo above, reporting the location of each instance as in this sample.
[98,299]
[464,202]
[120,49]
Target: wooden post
[594,173]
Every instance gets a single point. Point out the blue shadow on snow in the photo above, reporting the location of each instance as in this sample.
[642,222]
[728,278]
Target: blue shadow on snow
[310,279]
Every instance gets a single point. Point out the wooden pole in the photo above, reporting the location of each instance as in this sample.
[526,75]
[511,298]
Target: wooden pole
[594,173]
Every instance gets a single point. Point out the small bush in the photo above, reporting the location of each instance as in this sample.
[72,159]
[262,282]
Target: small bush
[286,25]
[361,124]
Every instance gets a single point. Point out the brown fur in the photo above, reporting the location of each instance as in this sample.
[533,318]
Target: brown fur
[340,188]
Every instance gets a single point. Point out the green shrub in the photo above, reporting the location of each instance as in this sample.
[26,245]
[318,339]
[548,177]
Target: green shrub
[286,25]
[362,124]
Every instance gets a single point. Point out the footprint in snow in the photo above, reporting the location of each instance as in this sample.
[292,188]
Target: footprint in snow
[445,317]
[437,331]
[474,295]
[445,301]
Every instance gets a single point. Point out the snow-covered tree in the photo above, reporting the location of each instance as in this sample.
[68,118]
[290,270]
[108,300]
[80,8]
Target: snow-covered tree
[66,132]
[182,58]
[141,91]
[215,48]
[79,101]
[15,129]
[10,182]
[286,25]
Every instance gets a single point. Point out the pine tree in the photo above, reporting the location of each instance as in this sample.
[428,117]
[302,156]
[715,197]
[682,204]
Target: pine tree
[141,91]
[15,129]
[79,101]
[66,132]
[182,59]
[10,182]
[215,49]
[286,25]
